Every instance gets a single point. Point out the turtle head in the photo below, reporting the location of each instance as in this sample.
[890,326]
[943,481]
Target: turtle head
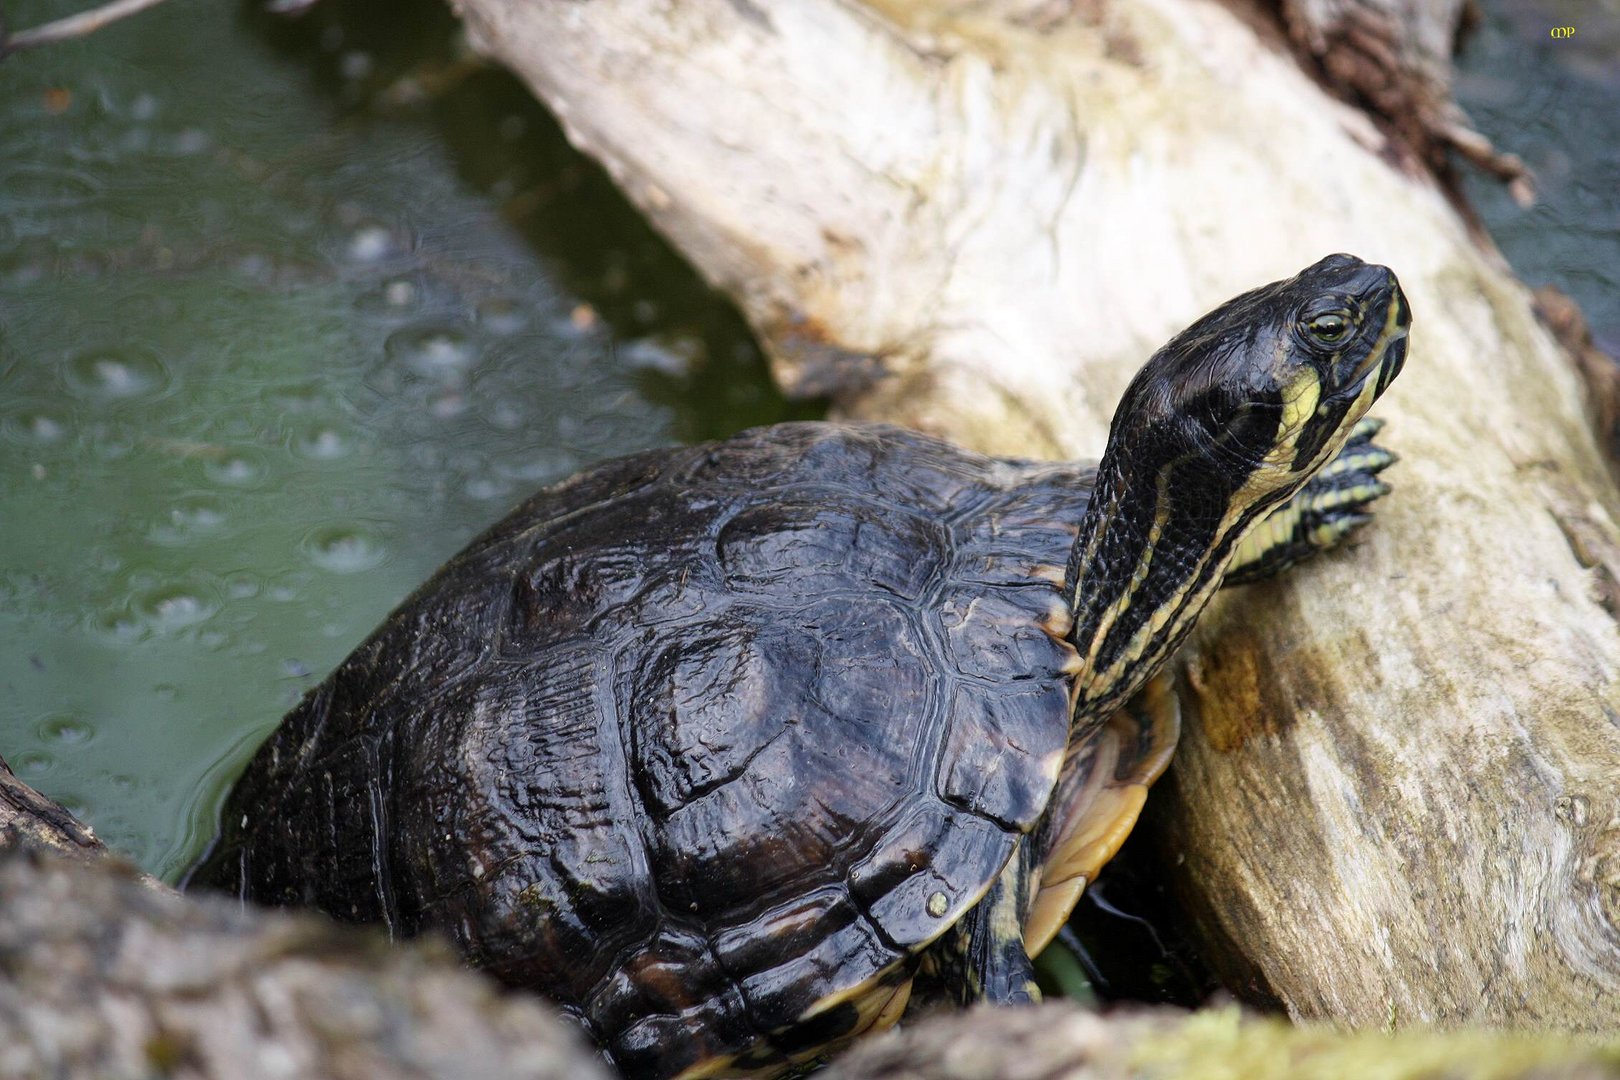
[1226,421]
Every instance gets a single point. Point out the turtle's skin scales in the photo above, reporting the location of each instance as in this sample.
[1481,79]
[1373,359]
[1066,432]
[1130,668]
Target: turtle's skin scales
[696,740]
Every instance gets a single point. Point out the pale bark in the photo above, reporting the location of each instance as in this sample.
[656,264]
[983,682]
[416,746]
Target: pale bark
[1397,792]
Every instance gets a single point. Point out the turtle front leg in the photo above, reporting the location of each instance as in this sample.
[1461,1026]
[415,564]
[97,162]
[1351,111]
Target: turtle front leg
[982,957]
[1328,508]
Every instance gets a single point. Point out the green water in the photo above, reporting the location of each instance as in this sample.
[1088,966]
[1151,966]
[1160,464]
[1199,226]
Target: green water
[288,310]
[1556,103]
[287,313]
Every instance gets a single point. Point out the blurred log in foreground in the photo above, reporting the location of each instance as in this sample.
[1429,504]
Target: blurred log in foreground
[1396,800]
[104,973]
[1061,1042]
[101,975]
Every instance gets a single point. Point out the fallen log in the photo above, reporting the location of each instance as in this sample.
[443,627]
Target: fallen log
[103,975]
[1396,799]
[1061,1042]
[105,972]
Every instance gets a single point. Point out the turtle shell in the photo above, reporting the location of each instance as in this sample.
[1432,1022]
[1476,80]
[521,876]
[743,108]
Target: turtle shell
[704,745]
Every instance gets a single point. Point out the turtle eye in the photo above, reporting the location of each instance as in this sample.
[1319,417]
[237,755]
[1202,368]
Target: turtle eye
[1330,328]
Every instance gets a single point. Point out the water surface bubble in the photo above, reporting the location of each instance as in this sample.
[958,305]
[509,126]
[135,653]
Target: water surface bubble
[66,729]
[242,585]
[174,606]
[289,585]
[344,549]
[39,425]
[33,763]
[239,468]
[321,442]
[442,352]
[189,517]
[373,242]
[118,625]
[395,296]
[122,373]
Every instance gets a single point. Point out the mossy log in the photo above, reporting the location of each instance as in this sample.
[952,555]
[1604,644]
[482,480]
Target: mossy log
[1396,798]
[1062,1042]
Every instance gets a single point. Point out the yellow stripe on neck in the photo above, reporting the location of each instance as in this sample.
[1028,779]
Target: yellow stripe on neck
[1300,401]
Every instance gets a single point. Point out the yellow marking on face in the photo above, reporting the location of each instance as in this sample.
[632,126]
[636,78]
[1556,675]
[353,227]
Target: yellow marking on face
[1300,401]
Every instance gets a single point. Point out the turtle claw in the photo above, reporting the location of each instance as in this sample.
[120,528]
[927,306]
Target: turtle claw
[1332,504]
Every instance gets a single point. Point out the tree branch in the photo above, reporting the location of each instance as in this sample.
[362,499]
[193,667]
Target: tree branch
[74,26]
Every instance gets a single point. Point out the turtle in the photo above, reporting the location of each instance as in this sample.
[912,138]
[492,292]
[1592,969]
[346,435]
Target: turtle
[731,750]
